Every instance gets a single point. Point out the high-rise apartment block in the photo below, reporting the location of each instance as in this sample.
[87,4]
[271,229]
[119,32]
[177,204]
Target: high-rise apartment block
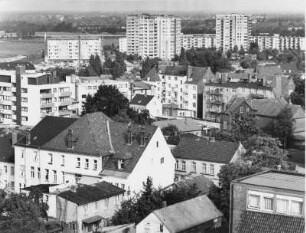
[232,30]
[198,41]
[73,49]
[153,35]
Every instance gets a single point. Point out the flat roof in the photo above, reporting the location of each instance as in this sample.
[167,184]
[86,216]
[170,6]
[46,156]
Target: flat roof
[276,179]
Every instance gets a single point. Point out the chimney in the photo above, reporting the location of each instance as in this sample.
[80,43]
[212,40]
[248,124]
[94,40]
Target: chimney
[212,139]
[164,204]
[14,137]
[142,136]
[129,135]
[28,138]
[73,188]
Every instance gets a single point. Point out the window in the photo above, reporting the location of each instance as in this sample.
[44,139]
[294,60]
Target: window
[204,168]
[78,162]
[38,172]
[268,203]
[162,160]
[254,201]
[183,165]
[50,158]
[212,169]
[193,166]
[123,186]
[54,176]
[296,207]
[95,165]
[5,169]
[32,172]
[177,163]
[194,97]
[241,110]
[86,163]
[47,175]
[224,124]
[12,171]
[247,110]
[161,228]
[22,168]
[282,206]
[63,177]
[156,143]
[63,160]
[35,156]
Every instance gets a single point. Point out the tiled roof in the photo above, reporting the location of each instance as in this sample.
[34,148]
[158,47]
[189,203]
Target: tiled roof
[183,125]
[152,76]
[91,193]
[187,214]
[235,103]
[129,153]
[197,74]
[6,148]
[289,66]
[268,107]
[240,84]
[89,134]
[44,188]
[268,70]
[141,85]
[141,99]
[173,70]
[256,222]
[46,129]
[12,65]
[196,148]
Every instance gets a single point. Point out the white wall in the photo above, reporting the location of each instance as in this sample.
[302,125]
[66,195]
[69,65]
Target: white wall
[7,177]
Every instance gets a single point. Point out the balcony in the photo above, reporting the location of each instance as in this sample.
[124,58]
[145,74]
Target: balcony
[216,101]
[65,93]
[214,92]
[43,114]
[64,113]
[6,111]
[46,105]
[6,102]
[46,95]
[215,110]
[65,103]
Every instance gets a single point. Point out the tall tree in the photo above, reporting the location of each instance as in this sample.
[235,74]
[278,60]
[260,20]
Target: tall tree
[235,49]
[183,57]
[244,126]
[147,65]
[282,128]
[298,95]
[241,51]
[108,100]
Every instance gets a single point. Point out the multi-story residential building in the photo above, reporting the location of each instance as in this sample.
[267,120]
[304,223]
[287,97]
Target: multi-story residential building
[84,150]
[270,201]
[89,86]
[196,155]
[279,42]
[198,41]
[232,30]
[73,49]
[27,96]
[153,35]
[122,44]
[218,95]
[181,89]
[88,208]
[203,216]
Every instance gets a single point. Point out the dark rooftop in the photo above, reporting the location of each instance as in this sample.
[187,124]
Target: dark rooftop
[6,148]
[174,70]
[44,188]
[239,84]
[152,76]
[255,222]
[12,65]
[197,148]
[91,193]
[141,99]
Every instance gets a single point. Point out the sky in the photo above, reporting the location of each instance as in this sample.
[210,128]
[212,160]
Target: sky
[262,6]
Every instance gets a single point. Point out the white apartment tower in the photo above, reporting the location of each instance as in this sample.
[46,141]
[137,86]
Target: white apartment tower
[153,35]
[231,30]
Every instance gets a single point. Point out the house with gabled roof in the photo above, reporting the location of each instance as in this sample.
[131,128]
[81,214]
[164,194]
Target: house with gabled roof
[198,214]
[147,102]
[90,149]
[198,156]
[271,201]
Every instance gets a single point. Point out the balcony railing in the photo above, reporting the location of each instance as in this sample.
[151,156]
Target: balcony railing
[216,101]
[214,92]
[215,110]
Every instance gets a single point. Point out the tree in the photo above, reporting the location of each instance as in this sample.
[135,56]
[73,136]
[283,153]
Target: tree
[235,49]
[244,126]
[247,63]
[183,57]
[282,128]
[108,100]
[38,197]
[18,213]
[147,65]
[254,48]
[298,95]
[241,51]
[229,54]
[221,195]
[265,151]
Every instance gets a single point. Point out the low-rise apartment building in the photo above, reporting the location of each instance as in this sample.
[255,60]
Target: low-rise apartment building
[189,41]
[270,201]
[27,96]
[198,156]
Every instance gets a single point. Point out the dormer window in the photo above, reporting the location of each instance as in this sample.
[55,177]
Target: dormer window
[120,164]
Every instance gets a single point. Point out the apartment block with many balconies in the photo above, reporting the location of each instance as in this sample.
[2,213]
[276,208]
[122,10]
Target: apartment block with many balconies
[28,96]
[198,41]
[153,35]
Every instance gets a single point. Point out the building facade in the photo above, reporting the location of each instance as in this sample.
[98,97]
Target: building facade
[270,201]
[26,96]
[153,35]
[232,30]
[189,41]
[73,49]
[122,44]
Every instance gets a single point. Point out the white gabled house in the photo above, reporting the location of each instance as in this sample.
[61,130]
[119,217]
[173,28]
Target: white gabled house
[91,149]
[147,102]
